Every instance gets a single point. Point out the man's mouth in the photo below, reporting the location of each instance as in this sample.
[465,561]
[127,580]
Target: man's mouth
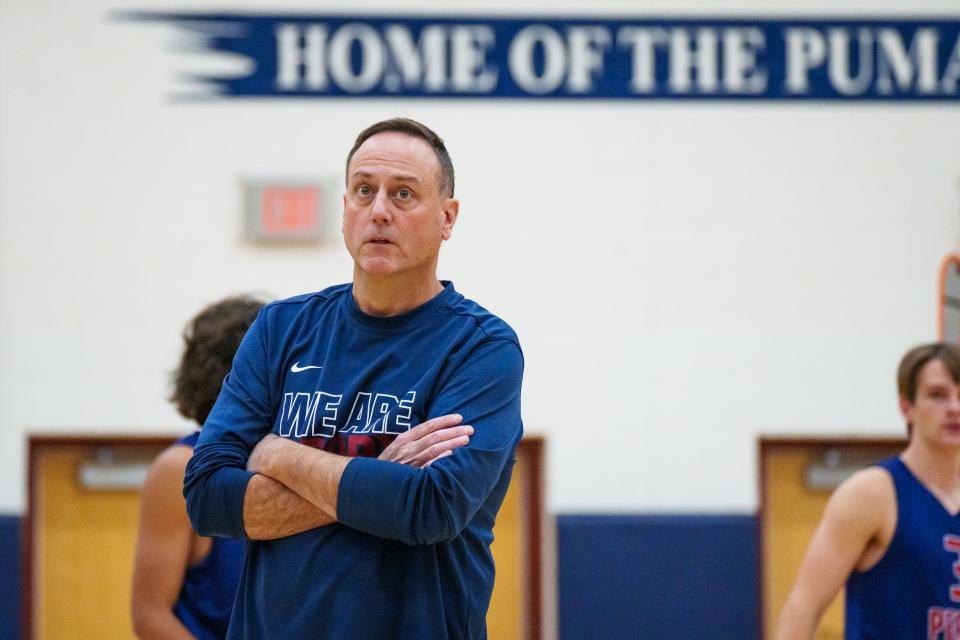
[379,241]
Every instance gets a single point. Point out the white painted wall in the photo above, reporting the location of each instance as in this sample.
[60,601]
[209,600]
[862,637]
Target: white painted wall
[683,276]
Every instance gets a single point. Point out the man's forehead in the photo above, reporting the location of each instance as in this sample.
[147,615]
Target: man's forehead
[396,148]
[936,372]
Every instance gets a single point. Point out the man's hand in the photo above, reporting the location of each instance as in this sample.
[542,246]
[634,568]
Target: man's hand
[428,442]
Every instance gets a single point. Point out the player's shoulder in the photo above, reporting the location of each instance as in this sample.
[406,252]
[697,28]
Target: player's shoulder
[171,462]
[489,325]
[868,492]
[161,495]
[870,481]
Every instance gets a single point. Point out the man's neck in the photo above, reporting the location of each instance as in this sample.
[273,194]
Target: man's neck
[938,468]
[393,295]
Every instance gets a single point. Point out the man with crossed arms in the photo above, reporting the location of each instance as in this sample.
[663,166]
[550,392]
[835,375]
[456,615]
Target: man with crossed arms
[362,523]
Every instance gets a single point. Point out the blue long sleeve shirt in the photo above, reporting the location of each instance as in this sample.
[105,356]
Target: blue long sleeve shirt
[410,554]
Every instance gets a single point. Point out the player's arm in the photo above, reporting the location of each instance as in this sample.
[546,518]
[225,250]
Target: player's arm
[854,519]
[164,539]
[423,505]
[223,497]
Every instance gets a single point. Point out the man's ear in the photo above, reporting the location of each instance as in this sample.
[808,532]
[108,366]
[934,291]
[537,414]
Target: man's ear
[343,215]
[451,209]
[906,408]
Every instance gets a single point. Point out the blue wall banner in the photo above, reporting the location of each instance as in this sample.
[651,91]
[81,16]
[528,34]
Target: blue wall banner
[481,57]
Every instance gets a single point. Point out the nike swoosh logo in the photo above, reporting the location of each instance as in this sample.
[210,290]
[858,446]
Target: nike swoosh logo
[296,368]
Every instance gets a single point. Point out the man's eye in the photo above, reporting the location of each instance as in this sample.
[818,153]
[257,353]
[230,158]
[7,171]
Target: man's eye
[403,194]
[364,190]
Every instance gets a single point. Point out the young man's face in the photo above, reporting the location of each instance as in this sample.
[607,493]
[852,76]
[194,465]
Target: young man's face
[935,413]
[394,216]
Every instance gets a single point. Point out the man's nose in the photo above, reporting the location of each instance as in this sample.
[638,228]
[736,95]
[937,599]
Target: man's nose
[954,404]
[380,209]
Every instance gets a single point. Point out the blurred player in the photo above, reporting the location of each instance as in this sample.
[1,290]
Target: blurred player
[892,531]
[184,584]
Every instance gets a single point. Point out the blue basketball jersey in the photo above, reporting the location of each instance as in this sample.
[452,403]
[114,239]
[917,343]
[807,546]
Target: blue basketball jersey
[914,590]
[210,586]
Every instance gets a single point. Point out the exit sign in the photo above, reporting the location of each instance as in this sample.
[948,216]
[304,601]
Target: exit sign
[287,210]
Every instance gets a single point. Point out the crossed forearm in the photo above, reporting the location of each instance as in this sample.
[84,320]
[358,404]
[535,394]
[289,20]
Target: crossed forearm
[312,474]
[271,510]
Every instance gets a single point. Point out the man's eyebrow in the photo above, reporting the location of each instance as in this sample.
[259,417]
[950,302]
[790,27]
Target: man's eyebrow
[397,178]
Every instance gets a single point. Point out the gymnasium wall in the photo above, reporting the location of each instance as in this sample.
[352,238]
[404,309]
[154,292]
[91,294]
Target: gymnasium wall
[683,275]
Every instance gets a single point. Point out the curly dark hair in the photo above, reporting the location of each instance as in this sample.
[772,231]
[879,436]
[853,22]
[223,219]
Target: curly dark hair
[210,341]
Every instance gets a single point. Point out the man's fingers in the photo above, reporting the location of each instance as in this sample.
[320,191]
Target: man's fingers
[434,424]
[443,448]
[446,453]
[429,446]
[445,434]
[429,441]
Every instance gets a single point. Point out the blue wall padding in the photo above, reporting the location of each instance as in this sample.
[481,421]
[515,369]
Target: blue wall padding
[639,577]
[654,577]
[10,576]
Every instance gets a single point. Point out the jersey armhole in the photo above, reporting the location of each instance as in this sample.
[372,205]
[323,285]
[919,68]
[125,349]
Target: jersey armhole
[888,474]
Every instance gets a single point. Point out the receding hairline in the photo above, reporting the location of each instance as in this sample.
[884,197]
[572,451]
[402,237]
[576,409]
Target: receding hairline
[402,174]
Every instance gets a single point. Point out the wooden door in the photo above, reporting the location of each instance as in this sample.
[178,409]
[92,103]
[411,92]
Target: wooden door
[81,552]
[796,480]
